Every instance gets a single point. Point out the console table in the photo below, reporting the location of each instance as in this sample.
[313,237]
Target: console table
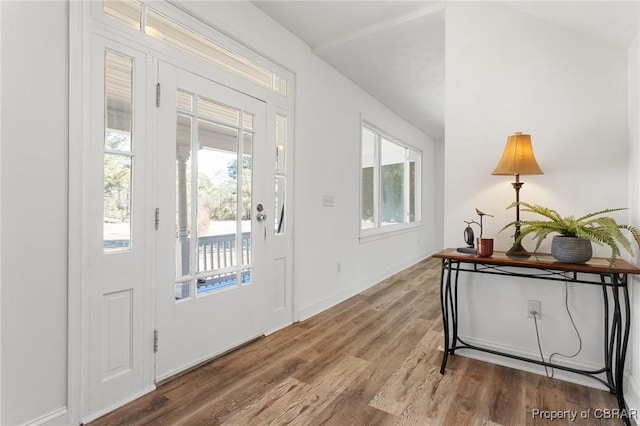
[611,278]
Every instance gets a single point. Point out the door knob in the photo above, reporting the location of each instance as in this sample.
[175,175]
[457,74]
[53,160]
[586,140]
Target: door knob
[260,216]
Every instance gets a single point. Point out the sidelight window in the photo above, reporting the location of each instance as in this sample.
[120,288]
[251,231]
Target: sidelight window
[118,154]
[281,174]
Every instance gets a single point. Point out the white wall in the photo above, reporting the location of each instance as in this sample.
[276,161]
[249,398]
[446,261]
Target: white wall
[633,385]
[439,194]
[0,218]
[328,111]
[35,195]
[34,209]
[509,72]
[327,159]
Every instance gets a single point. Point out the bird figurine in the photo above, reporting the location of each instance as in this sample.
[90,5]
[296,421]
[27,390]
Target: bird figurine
[469,237]
[481,213]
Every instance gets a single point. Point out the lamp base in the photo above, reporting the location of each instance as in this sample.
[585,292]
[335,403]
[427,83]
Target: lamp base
[519,252]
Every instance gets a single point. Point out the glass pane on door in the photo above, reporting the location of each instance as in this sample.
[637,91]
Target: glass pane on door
[214,150]
[217,195]
[247,203]
[183,195]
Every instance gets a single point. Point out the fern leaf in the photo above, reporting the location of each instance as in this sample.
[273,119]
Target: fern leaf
[605,211]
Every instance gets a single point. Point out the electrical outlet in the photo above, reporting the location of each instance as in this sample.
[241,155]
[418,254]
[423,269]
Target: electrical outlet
[338,267]
[534,306]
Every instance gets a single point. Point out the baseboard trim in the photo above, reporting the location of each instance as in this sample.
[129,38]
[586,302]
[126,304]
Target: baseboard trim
[329,302]
[170,375]
[56,417]
[118,404]
[528,367]
[278,328]
[632,393]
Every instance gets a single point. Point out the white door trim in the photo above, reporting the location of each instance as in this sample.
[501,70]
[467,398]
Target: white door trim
[0,233]
[83,22]
[79,72]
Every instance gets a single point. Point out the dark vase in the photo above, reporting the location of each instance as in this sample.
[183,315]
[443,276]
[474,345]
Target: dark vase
[571,249]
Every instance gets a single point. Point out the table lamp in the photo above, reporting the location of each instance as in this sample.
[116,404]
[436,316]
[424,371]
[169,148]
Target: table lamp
[518,159]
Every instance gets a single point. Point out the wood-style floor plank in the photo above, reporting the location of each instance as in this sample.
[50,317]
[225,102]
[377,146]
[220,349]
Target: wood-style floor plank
[371,360]
[396,393]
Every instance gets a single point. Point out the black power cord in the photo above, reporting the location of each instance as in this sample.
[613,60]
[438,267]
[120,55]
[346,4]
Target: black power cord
[535,321]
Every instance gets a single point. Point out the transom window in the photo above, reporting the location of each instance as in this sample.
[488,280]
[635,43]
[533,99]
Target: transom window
[156,25]
[389,182]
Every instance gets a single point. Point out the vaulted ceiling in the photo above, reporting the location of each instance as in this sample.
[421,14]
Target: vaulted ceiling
[394,50]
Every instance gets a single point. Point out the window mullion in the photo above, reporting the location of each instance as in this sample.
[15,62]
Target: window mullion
[143,17]
[407,186]
[418,189]
[193,246]
[121,153]
[239,198]
[377,184]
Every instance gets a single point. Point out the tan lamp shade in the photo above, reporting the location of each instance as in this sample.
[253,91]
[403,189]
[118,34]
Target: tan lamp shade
[518,158]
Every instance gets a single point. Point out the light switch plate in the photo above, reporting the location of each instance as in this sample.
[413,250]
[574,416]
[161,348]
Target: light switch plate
[327,201]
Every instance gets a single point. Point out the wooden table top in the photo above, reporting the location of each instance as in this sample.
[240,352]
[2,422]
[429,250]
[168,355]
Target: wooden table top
[596,265]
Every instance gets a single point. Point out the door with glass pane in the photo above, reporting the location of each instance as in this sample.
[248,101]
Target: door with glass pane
[116,333]
[212,231]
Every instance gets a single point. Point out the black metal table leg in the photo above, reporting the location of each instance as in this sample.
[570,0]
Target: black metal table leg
[625,342]
[619,283]
[444,285]
[608,344]
[454,308]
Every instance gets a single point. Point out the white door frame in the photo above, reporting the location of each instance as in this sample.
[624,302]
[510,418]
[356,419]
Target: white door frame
[83,22]
[79,132]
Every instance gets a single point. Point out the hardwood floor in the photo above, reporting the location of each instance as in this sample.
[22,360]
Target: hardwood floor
[372,360]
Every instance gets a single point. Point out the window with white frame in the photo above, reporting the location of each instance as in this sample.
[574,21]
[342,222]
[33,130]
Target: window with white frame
[389,182]
[142,17]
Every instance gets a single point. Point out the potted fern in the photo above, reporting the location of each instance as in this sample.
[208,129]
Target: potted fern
[573,244]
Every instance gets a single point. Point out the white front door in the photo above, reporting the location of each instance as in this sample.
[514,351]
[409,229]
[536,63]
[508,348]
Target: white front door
[211,191]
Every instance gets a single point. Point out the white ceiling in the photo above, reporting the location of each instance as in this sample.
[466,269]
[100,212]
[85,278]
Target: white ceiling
[394,50]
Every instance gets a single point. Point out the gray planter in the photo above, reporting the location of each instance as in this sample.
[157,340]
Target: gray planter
[571,249]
